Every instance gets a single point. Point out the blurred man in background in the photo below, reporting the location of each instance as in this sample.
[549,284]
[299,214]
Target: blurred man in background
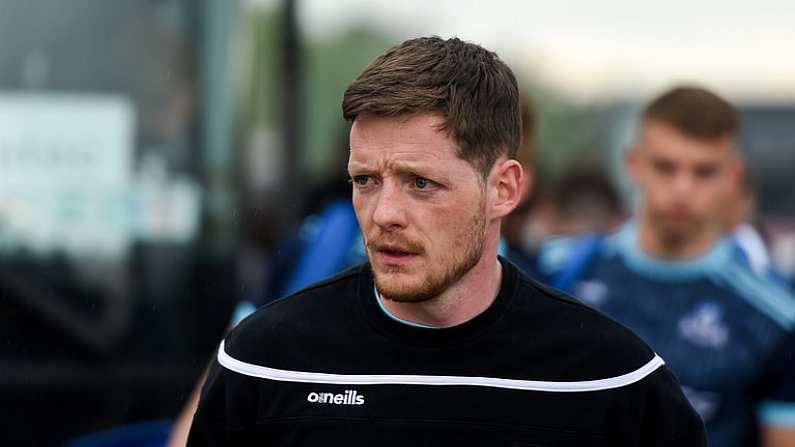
[586,202]
[671,277]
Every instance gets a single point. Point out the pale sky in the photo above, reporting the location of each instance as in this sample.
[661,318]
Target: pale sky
[601,49]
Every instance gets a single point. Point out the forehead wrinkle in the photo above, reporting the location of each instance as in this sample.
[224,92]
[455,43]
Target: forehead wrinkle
[402,166]
[403,159]
[392,167]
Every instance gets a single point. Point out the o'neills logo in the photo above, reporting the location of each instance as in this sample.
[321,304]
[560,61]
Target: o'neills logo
[349,397]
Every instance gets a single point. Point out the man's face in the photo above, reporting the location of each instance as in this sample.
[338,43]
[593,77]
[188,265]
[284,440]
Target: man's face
[684,180]
[421,208]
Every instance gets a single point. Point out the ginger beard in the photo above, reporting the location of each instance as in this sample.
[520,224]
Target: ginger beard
[447,267]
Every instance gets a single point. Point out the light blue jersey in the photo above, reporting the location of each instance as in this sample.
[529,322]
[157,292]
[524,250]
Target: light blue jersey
[725,331]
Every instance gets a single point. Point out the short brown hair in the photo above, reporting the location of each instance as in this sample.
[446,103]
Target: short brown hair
[694,111]
[469,86]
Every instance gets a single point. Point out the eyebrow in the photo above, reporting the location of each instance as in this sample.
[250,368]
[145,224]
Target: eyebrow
[397,166]
[401,167]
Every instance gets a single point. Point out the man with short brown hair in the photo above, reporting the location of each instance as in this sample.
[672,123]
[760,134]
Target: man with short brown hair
[437,340]
[671,277]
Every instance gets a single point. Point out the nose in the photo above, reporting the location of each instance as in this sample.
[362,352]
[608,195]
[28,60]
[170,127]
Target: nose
[683,184]
[389,212]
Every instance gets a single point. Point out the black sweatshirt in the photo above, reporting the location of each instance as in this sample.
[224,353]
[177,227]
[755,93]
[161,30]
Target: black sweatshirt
[327,366]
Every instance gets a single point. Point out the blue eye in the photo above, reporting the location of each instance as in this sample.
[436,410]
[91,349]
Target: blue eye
[361,180]
[421,183]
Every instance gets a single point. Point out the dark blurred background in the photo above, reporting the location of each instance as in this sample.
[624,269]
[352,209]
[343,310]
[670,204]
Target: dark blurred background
[153,153]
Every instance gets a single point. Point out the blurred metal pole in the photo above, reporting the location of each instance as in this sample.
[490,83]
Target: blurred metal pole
[217,121]
[292,96]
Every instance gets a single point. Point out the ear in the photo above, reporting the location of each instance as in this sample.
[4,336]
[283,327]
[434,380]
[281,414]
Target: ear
[506,185]
[737,171]
[632,163]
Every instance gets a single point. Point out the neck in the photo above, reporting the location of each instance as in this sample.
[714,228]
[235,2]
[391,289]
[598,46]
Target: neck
[687,245]
[464,300]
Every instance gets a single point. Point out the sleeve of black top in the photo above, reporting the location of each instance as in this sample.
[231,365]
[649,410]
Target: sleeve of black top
[668,418]
[226,413]
[209,425]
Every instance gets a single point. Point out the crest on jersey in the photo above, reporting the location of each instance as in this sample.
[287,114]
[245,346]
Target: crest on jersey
[704,326]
